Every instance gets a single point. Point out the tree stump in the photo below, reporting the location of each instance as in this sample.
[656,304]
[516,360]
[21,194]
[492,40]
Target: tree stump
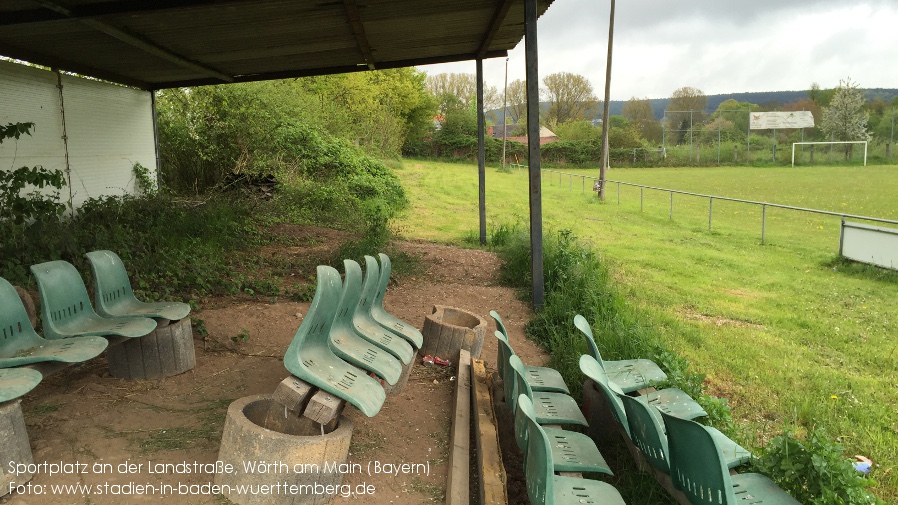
[167,351]
[448,330]
[14,445]
[251,436]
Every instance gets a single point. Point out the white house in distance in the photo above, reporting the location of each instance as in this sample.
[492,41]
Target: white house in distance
[108,128]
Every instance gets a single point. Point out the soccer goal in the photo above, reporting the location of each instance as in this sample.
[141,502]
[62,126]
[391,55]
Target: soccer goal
[830,143]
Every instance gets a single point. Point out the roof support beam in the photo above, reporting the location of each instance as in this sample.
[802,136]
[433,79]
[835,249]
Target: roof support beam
[531,56]
[291,74]
[109,8]
[481,152]
[495,24]
[355,20]
[137,42]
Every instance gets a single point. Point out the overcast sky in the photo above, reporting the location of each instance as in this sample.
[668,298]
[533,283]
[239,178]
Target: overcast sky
[718,46]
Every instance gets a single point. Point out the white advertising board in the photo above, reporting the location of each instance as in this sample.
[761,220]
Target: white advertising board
[870,244]
[776,120]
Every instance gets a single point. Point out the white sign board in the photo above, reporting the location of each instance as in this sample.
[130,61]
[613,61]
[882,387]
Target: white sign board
[870,244]
[776,120]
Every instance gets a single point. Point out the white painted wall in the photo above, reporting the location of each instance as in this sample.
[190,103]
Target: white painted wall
[109,127]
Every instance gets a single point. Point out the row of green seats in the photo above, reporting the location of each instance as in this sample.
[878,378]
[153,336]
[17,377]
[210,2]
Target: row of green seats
[695,459]
[347,333]
[538,396]
[73,332]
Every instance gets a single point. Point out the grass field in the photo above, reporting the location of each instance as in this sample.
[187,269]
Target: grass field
[785,331]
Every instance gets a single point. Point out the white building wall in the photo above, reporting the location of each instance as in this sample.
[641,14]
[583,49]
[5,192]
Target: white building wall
[109,128]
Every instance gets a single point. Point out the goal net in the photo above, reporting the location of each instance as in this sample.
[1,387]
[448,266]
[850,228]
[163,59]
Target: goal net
[829,144]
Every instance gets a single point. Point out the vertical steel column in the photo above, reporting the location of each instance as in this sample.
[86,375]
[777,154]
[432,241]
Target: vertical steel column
[531,56]
[671,205]
[481,152]
[65,137]
[710,211]
[156,140]
[763,222]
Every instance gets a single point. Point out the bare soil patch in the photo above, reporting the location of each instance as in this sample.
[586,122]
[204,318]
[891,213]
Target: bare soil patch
[83,415]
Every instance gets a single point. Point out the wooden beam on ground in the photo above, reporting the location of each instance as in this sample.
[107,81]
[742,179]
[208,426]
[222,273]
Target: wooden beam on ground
[491,472]
[358,29]
[325,409]
[293,394]
[458,483]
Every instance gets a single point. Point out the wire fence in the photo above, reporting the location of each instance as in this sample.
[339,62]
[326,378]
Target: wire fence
[591,184]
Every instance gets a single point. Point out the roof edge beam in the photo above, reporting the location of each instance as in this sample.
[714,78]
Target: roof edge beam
[137,42]
[355,20]
[292,74]
[30,56]
[109,8]
[495,24]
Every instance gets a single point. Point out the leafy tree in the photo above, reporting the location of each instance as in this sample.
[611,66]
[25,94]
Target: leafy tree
[640,113]
[845,118]
[682,101]
[577,130]
[517,101]
[570,97]
[463,87]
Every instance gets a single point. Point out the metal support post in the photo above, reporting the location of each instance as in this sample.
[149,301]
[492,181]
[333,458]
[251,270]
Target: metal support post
[536,213]
[481,152]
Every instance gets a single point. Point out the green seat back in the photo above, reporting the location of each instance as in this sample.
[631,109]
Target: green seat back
[387,320]
[696,466]
[361,320]
[593,370]
[16,382]
[114,296]
[349,298]
[538,465]
[647,431]
[21,345]
[310,358]
[516,377]
[583,325]
[66,310]
[504,353]
[499,324]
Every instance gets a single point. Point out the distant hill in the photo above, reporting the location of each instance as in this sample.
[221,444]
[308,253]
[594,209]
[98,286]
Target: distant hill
[764,98]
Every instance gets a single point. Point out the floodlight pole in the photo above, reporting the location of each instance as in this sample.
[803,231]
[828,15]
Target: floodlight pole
[533,155]
[481,152]
[603,170]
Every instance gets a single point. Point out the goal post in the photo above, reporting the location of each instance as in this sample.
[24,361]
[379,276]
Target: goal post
[830,143]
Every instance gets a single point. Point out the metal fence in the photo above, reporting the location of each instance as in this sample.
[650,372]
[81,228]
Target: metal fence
[764,205]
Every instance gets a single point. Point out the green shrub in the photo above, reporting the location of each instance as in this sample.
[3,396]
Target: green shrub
[814,470]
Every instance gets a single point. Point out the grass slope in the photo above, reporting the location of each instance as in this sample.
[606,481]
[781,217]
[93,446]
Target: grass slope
[784,330]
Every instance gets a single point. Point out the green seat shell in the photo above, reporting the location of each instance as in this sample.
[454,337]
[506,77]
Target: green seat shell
[361,319]
[115,298]
[540,378]
[546,488]
[647,432]
[21,345]
[310,358]
[698,469]
[571,451]
[593,371]
[629,374]
[376,308]
[351,347]
[548,408]
[16,382]
[66,310]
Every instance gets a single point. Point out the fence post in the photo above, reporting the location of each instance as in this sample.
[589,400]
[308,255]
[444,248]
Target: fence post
[570,182]
[710,211]
[640,199]
[618,193]
[763,222]
[812,154]
[735,154]
[583,184]
[671,205]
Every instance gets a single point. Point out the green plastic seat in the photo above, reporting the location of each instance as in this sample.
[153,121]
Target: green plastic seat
[629,374]
[671,400]
[549,408]
[647,432]
[546,488]
[16,382]
[310,357]
[540,378]
[114,296]
[592,370]
[367,327]
[571,451]
[351,347]
[698,469]
[376,303]
[21,345]
[66,310]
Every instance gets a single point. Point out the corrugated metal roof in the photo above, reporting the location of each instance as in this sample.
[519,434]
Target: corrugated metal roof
[155,44]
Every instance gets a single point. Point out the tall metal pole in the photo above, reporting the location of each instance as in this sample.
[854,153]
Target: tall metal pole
[606,159]
[481,152]
[505,115]
[531,56]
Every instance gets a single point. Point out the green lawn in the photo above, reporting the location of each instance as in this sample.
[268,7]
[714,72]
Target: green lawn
[784,332]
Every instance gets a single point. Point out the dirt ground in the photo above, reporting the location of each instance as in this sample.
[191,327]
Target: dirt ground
[83,415]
